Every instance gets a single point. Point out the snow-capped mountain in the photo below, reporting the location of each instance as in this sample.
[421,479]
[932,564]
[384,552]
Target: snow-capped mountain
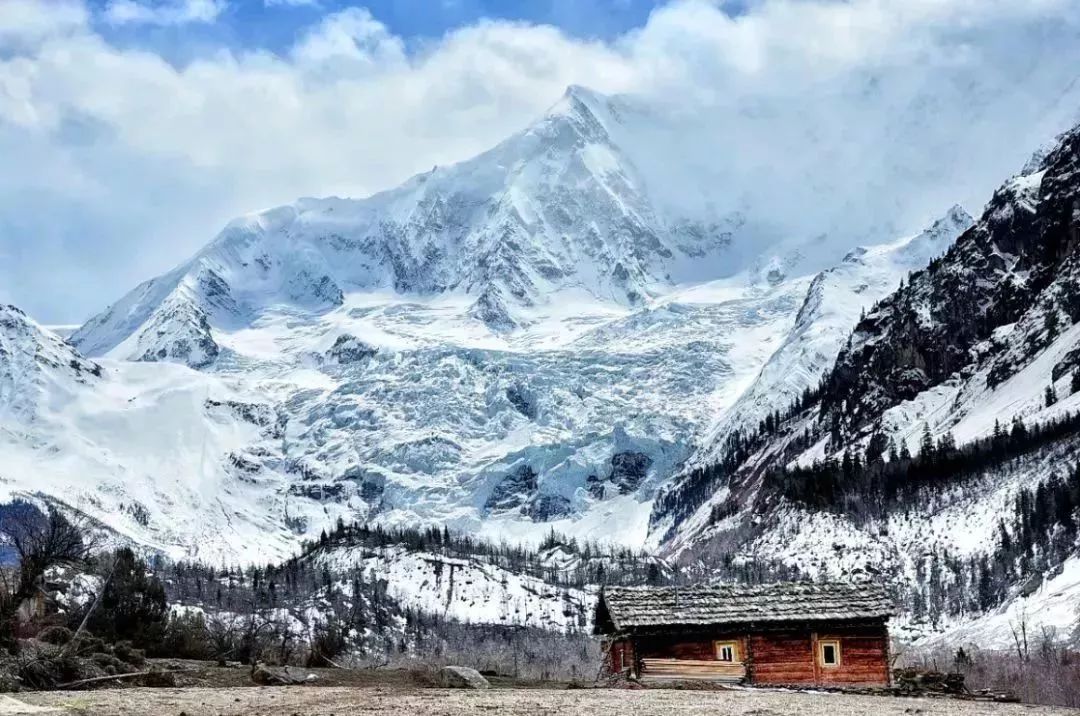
[37,369]
[144,448]
[533,340]
[520,342]
[940,451]
[557,206]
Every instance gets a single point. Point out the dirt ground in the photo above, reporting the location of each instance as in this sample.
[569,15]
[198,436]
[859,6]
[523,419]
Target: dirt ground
[417,701]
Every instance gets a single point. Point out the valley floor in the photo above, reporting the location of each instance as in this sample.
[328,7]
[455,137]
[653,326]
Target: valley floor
[400,700]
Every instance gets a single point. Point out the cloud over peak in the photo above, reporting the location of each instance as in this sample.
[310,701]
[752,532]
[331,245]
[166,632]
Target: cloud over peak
[120,163]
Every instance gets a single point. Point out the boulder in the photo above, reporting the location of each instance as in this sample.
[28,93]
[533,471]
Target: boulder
[264,675]
[462,677]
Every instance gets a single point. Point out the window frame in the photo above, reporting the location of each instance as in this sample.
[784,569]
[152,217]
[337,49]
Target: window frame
[719,646]
[835,644]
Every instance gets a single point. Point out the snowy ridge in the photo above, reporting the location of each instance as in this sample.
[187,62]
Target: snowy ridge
[556,206]
[468,590]
[36,368]
[834,302]
[988,333]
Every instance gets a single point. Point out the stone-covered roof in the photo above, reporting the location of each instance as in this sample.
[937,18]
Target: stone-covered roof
[631,608]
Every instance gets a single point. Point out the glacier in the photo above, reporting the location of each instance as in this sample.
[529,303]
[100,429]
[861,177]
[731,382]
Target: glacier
[525,341]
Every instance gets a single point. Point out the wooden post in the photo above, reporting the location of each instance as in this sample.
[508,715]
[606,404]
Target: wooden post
[814,656]
[748,660]
[888,659]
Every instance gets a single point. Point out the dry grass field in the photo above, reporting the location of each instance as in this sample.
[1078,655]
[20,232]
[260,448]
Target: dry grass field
[402,700]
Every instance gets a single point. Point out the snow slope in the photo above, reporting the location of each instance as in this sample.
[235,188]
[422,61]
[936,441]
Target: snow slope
[523,341]
[835,301]
[410,410]
[468,590]
[988,333]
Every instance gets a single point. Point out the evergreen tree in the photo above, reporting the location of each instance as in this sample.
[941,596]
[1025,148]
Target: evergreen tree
[926,444]
[894,455]
[1051,324]
[133,606]
[875,448]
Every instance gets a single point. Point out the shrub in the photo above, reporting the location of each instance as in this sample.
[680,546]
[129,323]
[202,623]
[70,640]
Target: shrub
[124,651]
[58,635]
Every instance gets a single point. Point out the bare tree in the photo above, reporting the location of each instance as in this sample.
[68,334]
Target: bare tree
[1019,635]
[222,630]
[40,542]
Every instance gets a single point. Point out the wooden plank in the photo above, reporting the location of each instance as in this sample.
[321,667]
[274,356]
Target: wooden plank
[692,669]
[669,669]
[711,679]
[674,669]
[691,662]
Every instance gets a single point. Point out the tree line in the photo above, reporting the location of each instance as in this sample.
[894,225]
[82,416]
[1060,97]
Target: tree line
[871,482]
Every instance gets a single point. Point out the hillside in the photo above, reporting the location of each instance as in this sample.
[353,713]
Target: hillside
[940,451]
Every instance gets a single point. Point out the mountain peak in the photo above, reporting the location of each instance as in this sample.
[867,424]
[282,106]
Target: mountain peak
[582,94]
[581,101]
[35,364]
[556,206]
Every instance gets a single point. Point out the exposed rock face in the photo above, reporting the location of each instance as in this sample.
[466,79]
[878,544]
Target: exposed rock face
[544,508]
[628,470]
[520,398]
[348,349]
[462,677]
[1020,256]
[513,491]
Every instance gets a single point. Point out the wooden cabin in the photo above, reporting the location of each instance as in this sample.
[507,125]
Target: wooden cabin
[784,634]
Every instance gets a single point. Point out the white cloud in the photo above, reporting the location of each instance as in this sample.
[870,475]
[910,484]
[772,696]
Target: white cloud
[162,12]
[23,23]
[119,164]
[350,43]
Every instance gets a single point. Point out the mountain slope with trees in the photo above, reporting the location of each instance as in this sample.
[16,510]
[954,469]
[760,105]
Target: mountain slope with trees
[940,452]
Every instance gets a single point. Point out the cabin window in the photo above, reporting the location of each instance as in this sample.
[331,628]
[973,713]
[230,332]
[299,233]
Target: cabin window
[830,652]
[727,651]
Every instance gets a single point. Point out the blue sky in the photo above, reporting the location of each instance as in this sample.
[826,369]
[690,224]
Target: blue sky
[133,130]
[274,25]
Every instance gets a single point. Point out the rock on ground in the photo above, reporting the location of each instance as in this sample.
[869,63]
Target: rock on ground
[462,677]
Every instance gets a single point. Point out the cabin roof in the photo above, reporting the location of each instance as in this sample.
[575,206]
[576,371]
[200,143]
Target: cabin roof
[629,608]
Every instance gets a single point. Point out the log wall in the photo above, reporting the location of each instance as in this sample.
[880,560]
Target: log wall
[783,657]
[779,656]
[792,656]
[696,647]
[621,657]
